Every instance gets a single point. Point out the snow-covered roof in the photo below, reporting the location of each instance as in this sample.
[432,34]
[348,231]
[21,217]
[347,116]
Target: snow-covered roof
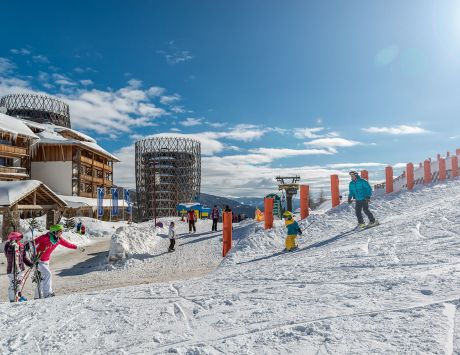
[51,134]
[15,126]
[77,201]
[13,191]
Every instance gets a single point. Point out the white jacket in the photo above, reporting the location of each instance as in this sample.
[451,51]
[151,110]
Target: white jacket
[172,233]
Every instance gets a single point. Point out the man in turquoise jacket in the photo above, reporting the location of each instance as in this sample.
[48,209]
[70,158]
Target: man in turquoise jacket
[361,191]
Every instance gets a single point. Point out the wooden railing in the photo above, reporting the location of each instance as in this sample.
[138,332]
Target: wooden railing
[11,150]
[12,170]
[95,163]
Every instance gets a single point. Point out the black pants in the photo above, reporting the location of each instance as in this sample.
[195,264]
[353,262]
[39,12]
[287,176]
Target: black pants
[363,206]
[172,242]
[214,224]
[191,224]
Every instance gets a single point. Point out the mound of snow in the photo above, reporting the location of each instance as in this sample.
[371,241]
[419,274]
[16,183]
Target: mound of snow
[132,240]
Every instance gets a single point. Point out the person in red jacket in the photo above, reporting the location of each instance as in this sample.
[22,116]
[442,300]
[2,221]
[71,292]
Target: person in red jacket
[45,245]
[191,218]
[14,249]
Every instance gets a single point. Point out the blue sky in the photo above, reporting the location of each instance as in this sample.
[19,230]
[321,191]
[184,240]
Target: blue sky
[269,87]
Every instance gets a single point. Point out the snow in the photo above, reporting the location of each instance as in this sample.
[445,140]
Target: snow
[12,191]
[15,126]
[77,201]
[50,134]
[389,289]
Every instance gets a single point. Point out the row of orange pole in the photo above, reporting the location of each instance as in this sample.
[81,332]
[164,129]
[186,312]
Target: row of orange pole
[427,176]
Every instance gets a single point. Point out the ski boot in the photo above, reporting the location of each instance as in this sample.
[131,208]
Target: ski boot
[361,226]
[373,224]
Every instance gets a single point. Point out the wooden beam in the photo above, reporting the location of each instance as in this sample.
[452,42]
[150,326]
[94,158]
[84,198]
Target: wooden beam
[62,151]
[37,207]
[35,197]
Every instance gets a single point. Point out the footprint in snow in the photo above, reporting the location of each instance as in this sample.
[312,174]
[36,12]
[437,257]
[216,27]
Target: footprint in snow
[426,292]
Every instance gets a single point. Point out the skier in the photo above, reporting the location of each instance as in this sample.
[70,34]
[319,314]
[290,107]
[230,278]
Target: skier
[361,191]
[293,230]
[45,245]
[191,218]
[79,224]
[215,218]
[172,237]
[16,258]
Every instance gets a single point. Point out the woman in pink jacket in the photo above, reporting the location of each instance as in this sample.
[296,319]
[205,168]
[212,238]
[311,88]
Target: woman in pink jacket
[45,245]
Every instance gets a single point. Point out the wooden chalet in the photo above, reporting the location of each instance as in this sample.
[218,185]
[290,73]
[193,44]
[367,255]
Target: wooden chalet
[16,143]
[71,163]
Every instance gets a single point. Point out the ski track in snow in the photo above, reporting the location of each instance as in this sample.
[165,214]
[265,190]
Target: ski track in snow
[390,289]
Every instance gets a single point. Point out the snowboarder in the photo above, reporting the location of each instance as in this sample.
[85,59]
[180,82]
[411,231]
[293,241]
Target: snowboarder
[293,230]
[191,218]
[215,218]
[16,258]
[172,237]
[361,191]
[45,245]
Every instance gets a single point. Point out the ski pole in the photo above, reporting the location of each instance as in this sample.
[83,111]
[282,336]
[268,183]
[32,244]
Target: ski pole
[307,226]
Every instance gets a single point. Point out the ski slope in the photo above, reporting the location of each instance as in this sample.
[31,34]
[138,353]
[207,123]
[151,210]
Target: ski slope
[390,289]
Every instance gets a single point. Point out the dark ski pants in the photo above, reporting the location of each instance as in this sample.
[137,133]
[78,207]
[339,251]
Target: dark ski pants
[363,206]
[214,224]
[191,225]
[172,242]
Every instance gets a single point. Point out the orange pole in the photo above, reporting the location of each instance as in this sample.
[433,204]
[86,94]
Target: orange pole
[304,190]
[427,172]
[365,174]
[226,232]
[389,179]
[335,193]
[454,166]
[268,212]
[410,176]
[442,169]
[457,152]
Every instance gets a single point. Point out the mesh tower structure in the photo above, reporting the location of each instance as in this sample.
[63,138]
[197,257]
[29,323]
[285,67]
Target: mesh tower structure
[37,108]
[168,171]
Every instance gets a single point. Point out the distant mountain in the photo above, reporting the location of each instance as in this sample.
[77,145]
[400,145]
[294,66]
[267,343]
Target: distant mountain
[236,206]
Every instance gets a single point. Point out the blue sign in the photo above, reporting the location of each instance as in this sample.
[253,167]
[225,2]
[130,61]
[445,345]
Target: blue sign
[100,201]
[127,198]
[114,192]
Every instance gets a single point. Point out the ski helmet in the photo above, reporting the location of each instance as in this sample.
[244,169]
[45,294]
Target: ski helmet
[287,215]
[56,228]
[15,236]
[353,173]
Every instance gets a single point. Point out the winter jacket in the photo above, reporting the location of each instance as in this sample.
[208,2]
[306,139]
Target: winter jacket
[215,213]
[359,189]
[171,233]
[9,253]
[45,247]
[191,216]
[293,227]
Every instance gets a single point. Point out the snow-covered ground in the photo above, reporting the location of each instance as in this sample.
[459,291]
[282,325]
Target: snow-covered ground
[390,289]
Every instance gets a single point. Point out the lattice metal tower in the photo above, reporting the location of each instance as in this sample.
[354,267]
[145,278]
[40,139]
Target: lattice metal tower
[37,108]
[168,171]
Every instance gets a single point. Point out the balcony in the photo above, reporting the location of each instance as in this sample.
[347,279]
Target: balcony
[95,163]
[12,172]
[12,151]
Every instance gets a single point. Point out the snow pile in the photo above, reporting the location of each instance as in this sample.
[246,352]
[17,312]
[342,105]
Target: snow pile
[132,241]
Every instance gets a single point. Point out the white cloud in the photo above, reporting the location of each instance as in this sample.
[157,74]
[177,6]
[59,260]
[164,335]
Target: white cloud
[167,100]
[396,130]
[155,91]
[5,65]
[86,82]
[279,153]
[21,51]
[400,165]
[241,132]
[309,133]
[174,55]
[134,83]
[40,59]
[190,121]
[332,142]
[355,165]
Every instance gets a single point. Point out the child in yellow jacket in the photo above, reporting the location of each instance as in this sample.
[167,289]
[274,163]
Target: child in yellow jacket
[293,230]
